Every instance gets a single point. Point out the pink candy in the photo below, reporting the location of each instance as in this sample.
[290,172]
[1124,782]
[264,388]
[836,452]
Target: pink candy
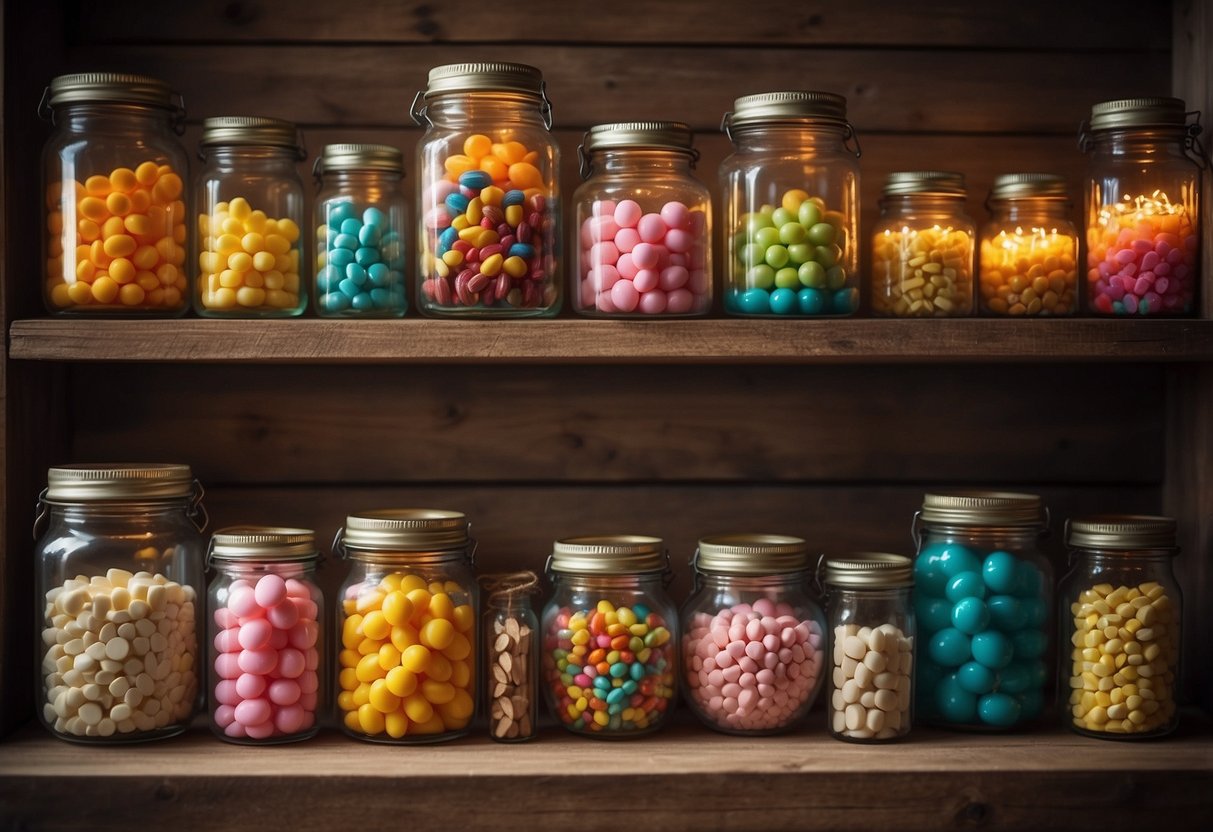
[1144,269]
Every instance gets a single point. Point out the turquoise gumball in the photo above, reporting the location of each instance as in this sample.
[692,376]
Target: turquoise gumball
[783,302]
[955,704]
[1029,580]
[934,614]
[755,302]
[998,709]
[339,213]
[1015,678]
[970,616]
[1000,571]
[1031,703]
[846,301]
[955,558]
[992,648]
[1033,612]
[811,301]
[929,577]
[950,648]
[1005,612]
[965,585]
[1029,644]
[976,678]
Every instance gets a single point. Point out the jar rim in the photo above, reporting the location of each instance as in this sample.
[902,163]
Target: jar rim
[618,554]
[787,106]
[412,531]
[118,482]
[484,76]
[751,554]
[983,508]
[637,135]
[357,156]
[263,543]
[925,183]
[108,88]
[249,131]
[1122,532]
[874,570]
[1146,111]
[1013,186]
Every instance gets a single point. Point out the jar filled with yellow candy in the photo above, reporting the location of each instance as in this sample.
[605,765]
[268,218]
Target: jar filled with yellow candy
[1029,248]
[115,201]
[248,235]
[922,249]
[406,666]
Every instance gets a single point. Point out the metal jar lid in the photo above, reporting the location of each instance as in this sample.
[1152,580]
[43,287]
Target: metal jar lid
[405,530]
[1137,112]
[786,107]
[249,130]
[263,543]
[380,157]
[983,508]
[484,76]
[751,554]
[1029,186]
[925,183]
[1122,531]
[118,482]
[108,87]
[665,135]
[874,570]
[608,555]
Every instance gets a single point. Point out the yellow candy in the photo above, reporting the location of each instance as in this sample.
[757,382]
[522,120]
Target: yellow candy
[401,682]
[420,599]
[104,289]
[491,266]
[397,608]
[440,669]
[514,266]
[122,270]
[437,693]
[146,174]
[441,605]
[376,626]
[459,648]
[382,699]
[477,145]
[463,617]
[370,720]
[418,708]
[396,724]
[416,658]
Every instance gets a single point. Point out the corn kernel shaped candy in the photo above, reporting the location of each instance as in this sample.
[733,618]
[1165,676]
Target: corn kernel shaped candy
[248,262]
[922,273]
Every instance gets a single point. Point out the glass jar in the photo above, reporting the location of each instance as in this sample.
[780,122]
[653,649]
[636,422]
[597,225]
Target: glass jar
[119,565]
[406,627]
[1029,248]
[250,216]
[982,604]
[360,217]
[1143,207]
[643,223]
[791,206]
[489,230]
[872,642]
[264,610]
[752,645]
[1122,614]
[511,641]
[922,249]
[113,175]
[610,636]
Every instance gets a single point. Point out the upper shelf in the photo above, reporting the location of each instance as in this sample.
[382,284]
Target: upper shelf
[714,340]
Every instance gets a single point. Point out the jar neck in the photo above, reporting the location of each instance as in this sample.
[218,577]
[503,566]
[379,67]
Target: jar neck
[1036,211]
[646,161]
[373,558]
[83,512]
[1020,537]
[461,110]
[361,178]
[716,580]
[251,157]
[647,582]
[1143,143]
[112,118]
[811,138]
[924,205]
[845,594]
[1113,557]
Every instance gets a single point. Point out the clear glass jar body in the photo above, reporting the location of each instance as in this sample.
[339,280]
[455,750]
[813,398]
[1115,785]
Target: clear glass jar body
[753,649]
[1114,604]
[1142,223]
[115,226]
[118,642]
[488,160]
[512,675]
[922,257]
[642,203]
[248,238]
[638,689]
[265,653]
[982,604]
[406,631]
[791,222]
[1029,259]
[360,219]
[871,628]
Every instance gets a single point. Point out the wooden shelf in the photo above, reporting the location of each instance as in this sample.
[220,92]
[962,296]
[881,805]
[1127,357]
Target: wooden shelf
[729,340]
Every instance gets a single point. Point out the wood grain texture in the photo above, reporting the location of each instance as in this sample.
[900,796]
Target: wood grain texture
[1192,80]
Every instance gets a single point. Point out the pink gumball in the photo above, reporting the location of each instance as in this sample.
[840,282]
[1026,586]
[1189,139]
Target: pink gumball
[627,239]
[603,253]
[653,302]
[226,693]
[227,665]
[234,729]
[586,293]
[278,639]
[604,277]
[291,663]
[284,692]
[676,215]
[628,213]
[260,731]
[284,616]
[603,228]
[678,302]
[627,267]
[604,304]
[652,228]
[289,720]
[586,236]
[296,588]
[226,619]
[646,256]
[250,685]
[674,277]
[304,634]
[625,296]
[259,662]
[646,280]
[243,603]
[603,208]
[252,712]
[309,681]
[678,240]
[225,715]
[270,591]
[255,634]
[227,641]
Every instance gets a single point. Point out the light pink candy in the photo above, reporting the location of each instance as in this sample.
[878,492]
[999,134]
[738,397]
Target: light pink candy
[628,213]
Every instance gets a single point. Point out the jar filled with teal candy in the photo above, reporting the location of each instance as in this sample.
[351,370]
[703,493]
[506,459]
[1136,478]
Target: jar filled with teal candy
[982,597]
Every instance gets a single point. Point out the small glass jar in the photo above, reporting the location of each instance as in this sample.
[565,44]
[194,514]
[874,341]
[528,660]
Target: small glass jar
[872,642]
[489,232]
[119,566]
[512,678]
[264,610]
[1143,207]
[753,641]
[113,176]
[250,218]
[1029,248]
[360,217]
[791,206]
[610,636]
[982,605]
[643,238]
[1122,615]
[922,249]
[406,626]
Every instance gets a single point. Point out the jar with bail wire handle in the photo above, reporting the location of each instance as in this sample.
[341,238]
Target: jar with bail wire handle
[489,225]
[113,174]
[407,626]
[264,610]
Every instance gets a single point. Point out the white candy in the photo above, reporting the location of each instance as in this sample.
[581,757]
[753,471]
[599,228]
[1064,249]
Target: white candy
[871,676]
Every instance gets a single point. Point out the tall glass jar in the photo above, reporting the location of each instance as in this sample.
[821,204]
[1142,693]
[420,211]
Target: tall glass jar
[982,602]
[406,626]
[489,233]
[361,216]
[264,610]
[791,206]
[643,222]
[113,174]
[1121,615]
[119,566]
[610,636]
[1143,207]
[922,249]
[511,640]
[250,219]
[1029,248]
[753,641]
[872,643]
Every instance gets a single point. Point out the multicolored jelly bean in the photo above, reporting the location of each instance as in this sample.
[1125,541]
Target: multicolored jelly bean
[1142,258]
[359,262]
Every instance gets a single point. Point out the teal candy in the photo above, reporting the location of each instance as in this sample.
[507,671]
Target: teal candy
[783,302]
[340,257]
[929,577]
[1039,674]
[1015,677]
[374,217]
[641,612]
[338,213]
[366,255]
[1034,612]
[1031,703]
[955,558]
[999,571]
[934,614]
[629,687]
[379,274]
[1029,581]
[846,301]
[351,226]
[949,648]
[976,678]
[615,696]
[347,241]
[355,273]
[1029,644]
[637,672]
[1006,613]
[616,708]
[381,298]
[336,301]
[998,709]
[993,649]
[524,250]
[456,204]
[965,585]
[513,197]
[602,682]
[755,302]
[811,301]
[970,616]
[362,302]
[328,278]
[368,235]
[349,288]
[954,702]
[475,179]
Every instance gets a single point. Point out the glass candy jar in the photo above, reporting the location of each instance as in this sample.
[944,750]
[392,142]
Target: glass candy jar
[511,641]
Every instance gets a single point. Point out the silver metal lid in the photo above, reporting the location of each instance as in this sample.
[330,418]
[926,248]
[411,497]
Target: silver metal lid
[926,183]
[1138,112]
[490,76]
[1122,531]
[360,157]
[870,569]
[608,554]
[263,543]
[1029,186]
[983,508]
[406,530]
[249,130]
[118,482]
[665,135]
[787,106]
[752,554]
[108,87]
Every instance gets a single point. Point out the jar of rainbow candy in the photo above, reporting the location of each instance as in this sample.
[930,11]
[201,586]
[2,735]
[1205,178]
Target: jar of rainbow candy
[610,637]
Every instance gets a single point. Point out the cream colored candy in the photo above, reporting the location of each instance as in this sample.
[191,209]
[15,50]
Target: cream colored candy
[922,272]
[871,676]
[248,261]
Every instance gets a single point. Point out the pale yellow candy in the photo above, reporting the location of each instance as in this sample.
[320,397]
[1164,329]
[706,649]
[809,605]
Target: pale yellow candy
[922,272]
[247,259]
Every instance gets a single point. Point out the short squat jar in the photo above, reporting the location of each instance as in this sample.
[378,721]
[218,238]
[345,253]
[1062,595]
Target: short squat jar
[407,626]
[610,636]
[982,604]
[643,224]
[791,206]
[119,568]
[922,249]
[1029,248]
[1121,615]
[250,219]
[264,610]
[360,216]
[113,178]
[871,622]
[489,228]
[753,642]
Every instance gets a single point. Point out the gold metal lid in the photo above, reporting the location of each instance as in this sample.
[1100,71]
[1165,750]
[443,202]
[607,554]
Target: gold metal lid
[360,157]
[1029,186]
[870,569]
[982,508]
[1138,112]
[481,76]
[249,130]
[268,543]
[108,87]
[118,482]
[1122,531]
[406,530]
[608,554]
[926,183]
[786,106]
[752,554]
[666,135]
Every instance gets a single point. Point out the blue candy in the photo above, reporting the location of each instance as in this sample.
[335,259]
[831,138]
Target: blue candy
[348,241]
[379,274]
[1006,612]
[339,213]
[998,709]
[381,298]
[955,704]
[965,585]
[999,571]
[355,273]
[447,239]
[970,616]
[846,301]
[475,179]
[350,289]
[336,301]
[340,257]
[992,649]
[755,302]
[514,197]
[811,301]
[975,677]
[933,613]
[373,216]
[328,278]
[950,648]
[368,235]
[1015,678]
[783,302]
[362,302]
[366,256]
[523,250]
[457,203]
[351,226]
[955,558]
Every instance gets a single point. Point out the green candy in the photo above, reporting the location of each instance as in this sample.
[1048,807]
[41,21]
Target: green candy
[836,276]
[787,278]
[777,257]
[822,234]
[791,233]
[753,222]
[751,254]
[800,253]
[809,214]
[760,277]
[782,216]
[812,275]
[767,237]
[827,256]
